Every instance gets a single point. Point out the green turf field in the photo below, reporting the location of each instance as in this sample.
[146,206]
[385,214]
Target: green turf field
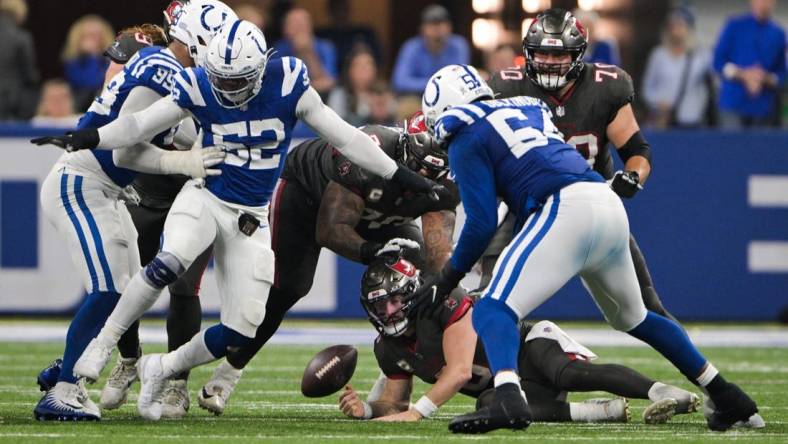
[267,405]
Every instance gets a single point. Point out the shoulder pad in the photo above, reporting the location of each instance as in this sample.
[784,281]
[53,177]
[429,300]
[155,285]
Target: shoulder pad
[291,72]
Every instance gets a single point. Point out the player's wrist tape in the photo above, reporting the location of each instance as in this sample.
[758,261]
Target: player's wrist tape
[425,406]
[367,410]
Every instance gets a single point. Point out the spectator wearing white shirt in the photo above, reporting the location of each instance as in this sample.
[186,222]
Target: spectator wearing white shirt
[678,84]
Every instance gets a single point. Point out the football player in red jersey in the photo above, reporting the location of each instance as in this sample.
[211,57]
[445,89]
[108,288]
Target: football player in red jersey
[442,349]
[592,107]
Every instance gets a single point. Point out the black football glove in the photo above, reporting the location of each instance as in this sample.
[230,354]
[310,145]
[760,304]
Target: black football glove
[626,183]
[429,297]
[410,180]
[72,141]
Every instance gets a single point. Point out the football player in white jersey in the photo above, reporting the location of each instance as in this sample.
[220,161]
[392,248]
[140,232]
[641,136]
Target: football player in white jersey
[247,105]
[80,194]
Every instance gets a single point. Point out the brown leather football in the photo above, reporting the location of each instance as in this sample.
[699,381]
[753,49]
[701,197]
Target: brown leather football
[329,371]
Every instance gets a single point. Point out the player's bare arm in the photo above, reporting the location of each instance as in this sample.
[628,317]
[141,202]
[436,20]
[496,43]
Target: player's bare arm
[339,213]
[459,341]
[438,227]
[394,399]
[621,131]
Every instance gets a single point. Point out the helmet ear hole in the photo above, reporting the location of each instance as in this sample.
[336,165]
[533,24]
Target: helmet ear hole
[201,41]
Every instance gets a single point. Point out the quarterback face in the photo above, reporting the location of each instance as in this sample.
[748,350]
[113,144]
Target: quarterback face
[390,310]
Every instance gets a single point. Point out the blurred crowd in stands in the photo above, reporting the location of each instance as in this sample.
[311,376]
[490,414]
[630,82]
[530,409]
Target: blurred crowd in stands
[737,83]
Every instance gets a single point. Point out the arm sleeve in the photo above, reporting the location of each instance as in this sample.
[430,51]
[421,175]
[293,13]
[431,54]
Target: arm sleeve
[350,141]
[142,125]
[473,173]
[723,48]
[186,134]
[143,156]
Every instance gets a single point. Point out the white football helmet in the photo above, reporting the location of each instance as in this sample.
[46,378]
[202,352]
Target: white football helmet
[195,22]
[235,63]
[452,85]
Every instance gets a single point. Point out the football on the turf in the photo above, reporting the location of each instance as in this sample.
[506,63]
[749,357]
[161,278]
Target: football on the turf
[329,371]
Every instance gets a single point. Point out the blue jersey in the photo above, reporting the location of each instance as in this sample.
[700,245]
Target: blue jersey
[508,148]
[153,67]
[255,136]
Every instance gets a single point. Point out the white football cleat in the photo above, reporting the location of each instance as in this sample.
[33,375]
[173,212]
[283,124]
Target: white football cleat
[661,411]
[686,402]
[152,385]
[62,403]
[92,361]
[214,394]
[120,379]
[175,403]
[84,399]
[754,422]
[611,410]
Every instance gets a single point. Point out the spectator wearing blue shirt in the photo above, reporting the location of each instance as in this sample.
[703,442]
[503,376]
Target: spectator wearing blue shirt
[319,55]
[83,58]
[421,56]
[750,57]
[603,51]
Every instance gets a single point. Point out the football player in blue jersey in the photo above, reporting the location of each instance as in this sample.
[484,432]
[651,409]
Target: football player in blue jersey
[80,194]
[574,224]
[247,105]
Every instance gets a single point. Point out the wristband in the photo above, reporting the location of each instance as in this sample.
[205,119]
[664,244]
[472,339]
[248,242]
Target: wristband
[367,410]
[425,406]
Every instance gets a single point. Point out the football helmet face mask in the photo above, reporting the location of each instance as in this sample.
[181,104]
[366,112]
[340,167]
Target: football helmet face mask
[389,283]
[421,152]
[554,32]
[194,23]
[452,85]
[235,63]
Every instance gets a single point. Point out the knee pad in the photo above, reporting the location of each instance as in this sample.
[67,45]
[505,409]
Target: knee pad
[163,270]
[221,340]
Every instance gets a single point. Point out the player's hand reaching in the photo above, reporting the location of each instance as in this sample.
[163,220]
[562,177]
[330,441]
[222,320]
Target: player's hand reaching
[433,291]
[72,140]
[410,180]
[351,405]
[196,162]
[626,183]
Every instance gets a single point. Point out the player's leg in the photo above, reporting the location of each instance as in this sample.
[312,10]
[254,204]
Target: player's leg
[103,246]
[541,258]
[610,276]
[647,290]
[183,322]
[149,223]
[245,272]
[293,219]
[189,229]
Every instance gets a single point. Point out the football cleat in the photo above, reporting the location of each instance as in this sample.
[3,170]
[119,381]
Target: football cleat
[732,406]
[755,421]
[62,403]
[152,385]
[214,394]
[686,402]
[508,410]
[611,410]
[175,403]
[120,379]
[48,376]
[660,412]
[84,398]
[92,361]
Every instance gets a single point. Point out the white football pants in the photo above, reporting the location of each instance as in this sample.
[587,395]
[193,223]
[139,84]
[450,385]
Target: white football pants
[581,230]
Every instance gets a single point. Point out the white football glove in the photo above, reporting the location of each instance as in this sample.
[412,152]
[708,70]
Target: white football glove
[196,162]
[398,246]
